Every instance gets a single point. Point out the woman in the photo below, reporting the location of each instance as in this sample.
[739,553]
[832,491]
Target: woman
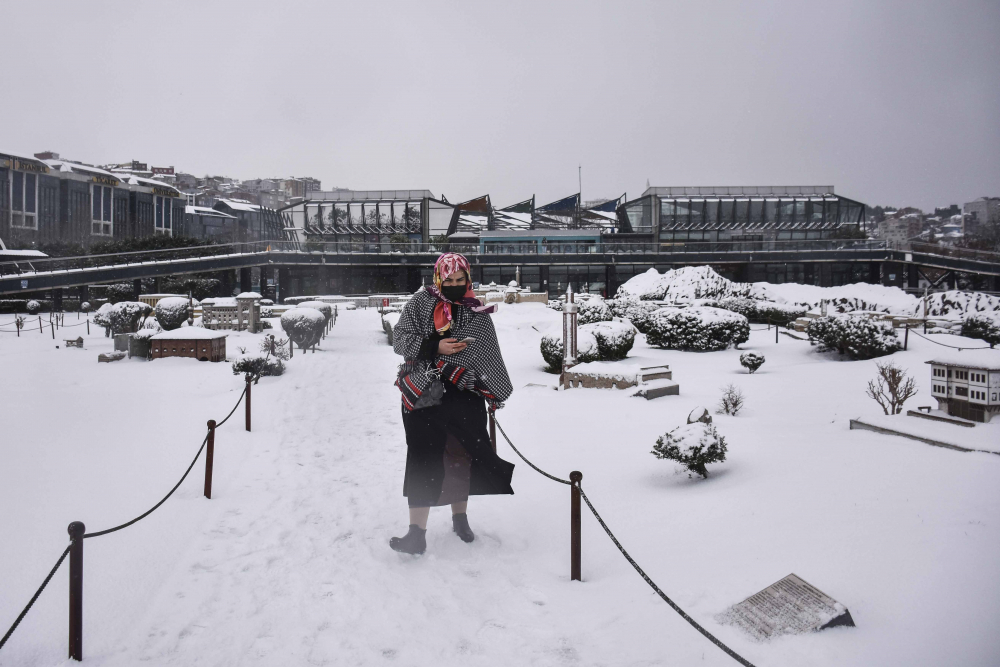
[448,341]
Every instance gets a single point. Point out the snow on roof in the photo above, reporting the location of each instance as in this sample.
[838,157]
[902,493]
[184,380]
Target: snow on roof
[204,210]
[149,183]
[240,204]
[988,360]
[249,295]
[190,333]
[67,166]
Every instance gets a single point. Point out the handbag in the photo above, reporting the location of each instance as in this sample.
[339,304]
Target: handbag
[422,386]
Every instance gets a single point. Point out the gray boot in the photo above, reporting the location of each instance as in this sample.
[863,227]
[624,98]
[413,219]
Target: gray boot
[414,542]
[460,524]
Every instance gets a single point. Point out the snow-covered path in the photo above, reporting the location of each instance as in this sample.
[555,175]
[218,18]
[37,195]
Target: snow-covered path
[288,564]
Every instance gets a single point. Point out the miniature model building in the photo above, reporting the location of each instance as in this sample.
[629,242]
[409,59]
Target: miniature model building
[202,344]
[967,384]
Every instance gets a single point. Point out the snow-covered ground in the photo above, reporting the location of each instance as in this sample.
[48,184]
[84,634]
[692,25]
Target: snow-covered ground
[288,564]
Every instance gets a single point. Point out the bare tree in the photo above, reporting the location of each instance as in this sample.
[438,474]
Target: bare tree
[891,388]
[732,400]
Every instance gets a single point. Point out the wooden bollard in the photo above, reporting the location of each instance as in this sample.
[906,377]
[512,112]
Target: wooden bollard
[40,329]
[209,457]
[76,531]
[574,526]
[248,401]
[493,430]
[906,338]
[88,325]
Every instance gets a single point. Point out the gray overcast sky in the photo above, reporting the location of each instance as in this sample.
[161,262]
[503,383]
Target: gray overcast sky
[891,102]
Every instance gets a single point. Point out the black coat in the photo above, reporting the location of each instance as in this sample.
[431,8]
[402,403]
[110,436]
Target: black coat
[449,454]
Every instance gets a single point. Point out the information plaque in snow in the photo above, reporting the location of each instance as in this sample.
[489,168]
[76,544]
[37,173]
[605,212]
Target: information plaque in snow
[787,607]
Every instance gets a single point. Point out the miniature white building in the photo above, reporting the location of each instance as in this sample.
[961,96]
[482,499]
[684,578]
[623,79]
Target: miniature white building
[967,384]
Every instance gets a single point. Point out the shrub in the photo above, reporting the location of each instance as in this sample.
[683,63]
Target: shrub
[614,339]
[266,312]
[700,328]
[856,336]
[266,302]
[321,306]
[102,318]
[552,349]
[983,327]
[33,307]
[171,312]
[732,400]
[692,445]
[763,312]
[304,326]
[85,307]
[258,365]
[13,306]
[119,292]
[280,349]
[751,361]
[125,316]
[593,310]
[640,314]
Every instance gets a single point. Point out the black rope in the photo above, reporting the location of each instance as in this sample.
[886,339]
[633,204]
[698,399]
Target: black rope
[712,638]
[34,597]
[240,400]
[153,508]
[731,653]
[954,347]
[536,468]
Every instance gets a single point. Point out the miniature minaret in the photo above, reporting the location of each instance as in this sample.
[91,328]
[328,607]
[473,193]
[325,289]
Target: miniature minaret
[569,330]
[517,277]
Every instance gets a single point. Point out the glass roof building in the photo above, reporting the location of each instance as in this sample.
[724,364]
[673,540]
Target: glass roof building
[741,213]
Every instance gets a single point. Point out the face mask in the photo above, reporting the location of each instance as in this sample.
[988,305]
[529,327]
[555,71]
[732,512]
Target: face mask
[453,292]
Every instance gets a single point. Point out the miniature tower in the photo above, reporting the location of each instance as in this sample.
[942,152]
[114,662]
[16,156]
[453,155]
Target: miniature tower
[517,277]
[570,310]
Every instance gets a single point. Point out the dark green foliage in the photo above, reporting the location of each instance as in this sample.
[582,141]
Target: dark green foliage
[692,445]
[552,353]
[126,316]
[258,365]
[700,329]
[171,312]
[201,288]
[304,326]
[33,307]
[120,292]
[982,327]
[147,243]
[751,361]
[614,339]
[764,312]
[857,336]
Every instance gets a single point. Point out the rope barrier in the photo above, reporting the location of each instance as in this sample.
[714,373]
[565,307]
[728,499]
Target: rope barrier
[99,533]
[34,597]
[954,347]
[712,638]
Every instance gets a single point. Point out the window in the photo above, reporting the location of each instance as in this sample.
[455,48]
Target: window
[24,197]
[961,391]
[100,205]
[163,217]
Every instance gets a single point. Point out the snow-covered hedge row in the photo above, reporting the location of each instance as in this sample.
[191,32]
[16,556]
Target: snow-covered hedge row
[304,326]
[700,328]
[685,283]
[956,303]
[594,309]
[171,312]
[857,336]
[597,341]
[982,326]
[764,312]
[321,306]
[634,310]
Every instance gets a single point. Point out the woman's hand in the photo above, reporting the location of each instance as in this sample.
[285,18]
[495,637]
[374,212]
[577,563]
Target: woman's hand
[450,346]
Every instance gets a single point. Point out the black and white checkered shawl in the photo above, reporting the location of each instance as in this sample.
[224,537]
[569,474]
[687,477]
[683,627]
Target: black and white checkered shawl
[416,324]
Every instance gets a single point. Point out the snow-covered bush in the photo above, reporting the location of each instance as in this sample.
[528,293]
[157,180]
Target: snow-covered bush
[555,304]
[120,292]
[552,349]
[751,361]
[171,312]
[33,307]
[321,306]
[125,316]
[85,307]
[102,318]
[685,283]
[266,302]
[857,336]
[692,445]
[983,327]
[956,303]
[614,338]
[762,311]
[732,400]
[151,324]
[304,326]
[258,364]
[266,312]
[700,328]
[593,310]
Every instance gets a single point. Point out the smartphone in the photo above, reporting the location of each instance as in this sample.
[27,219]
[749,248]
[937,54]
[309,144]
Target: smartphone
[468,340]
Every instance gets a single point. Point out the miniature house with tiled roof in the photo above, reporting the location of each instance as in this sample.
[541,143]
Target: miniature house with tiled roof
[966,384]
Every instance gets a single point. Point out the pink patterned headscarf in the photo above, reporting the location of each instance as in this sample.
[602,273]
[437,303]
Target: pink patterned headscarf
[446,265]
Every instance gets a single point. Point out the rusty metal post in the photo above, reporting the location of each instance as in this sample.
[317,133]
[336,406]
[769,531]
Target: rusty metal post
[493,430]
[906,338]
[775,333]
[209,457]
[88,325]
[248,401]
[76,531]
[574,525]
[40,329]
